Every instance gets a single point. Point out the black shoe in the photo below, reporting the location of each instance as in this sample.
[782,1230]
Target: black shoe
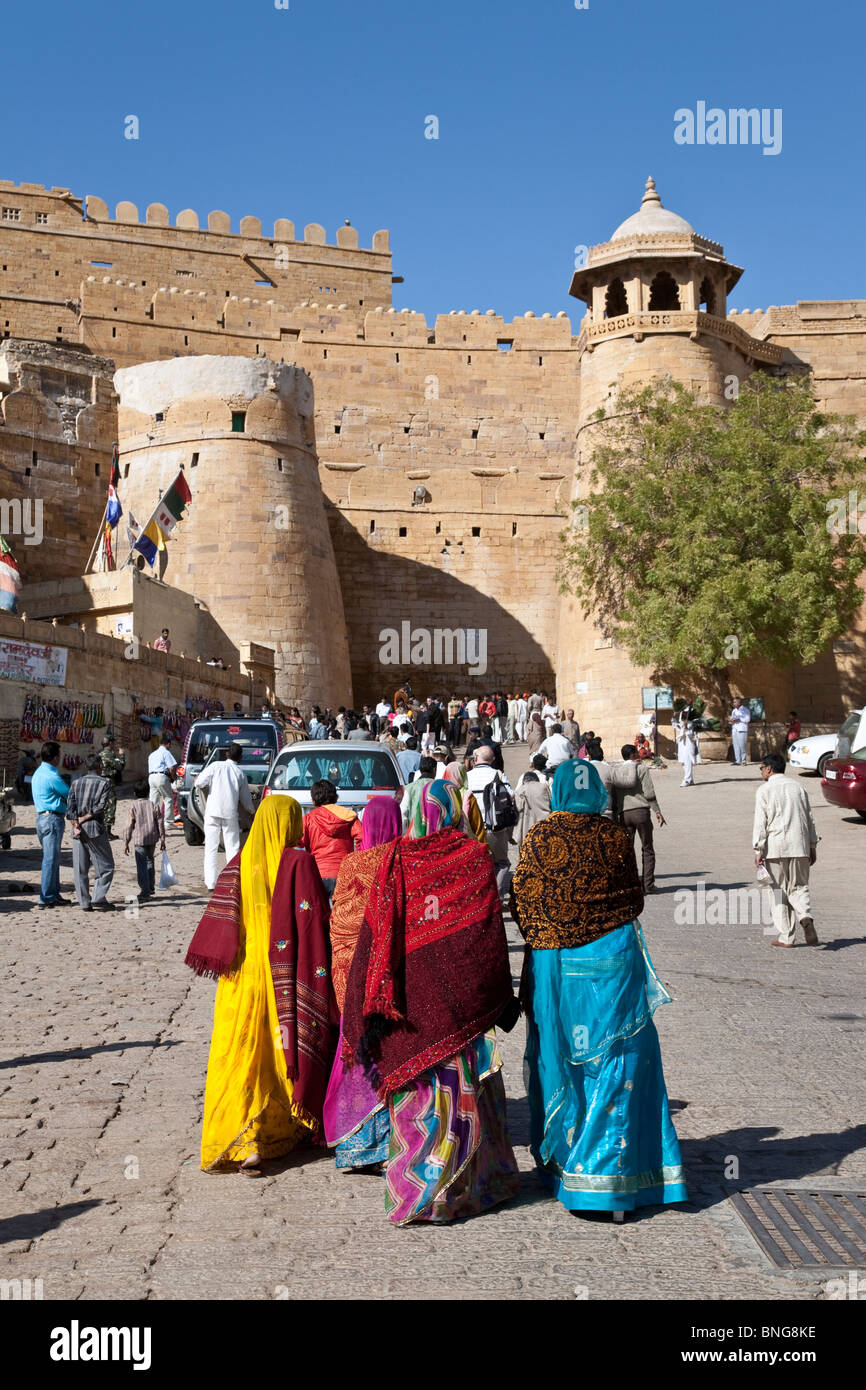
[62,902]
[112,836]
[88,908]
[102,907]
[46,905]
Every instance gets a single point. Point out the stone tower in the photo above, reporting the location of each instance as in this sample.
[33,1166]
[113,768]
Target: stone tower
[254,545]
[656,296]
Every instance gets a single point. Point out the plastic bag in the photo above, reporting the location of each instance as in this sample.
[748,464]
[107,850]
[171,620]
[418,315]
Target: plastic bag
[763,876]
[167,876]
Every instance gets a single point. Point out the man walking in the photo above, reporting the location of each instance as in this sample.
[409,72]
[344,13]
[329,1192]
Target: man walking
[50,794]
[85,808]
[160,764]
[557,748]
[571,728]
[739,720]
[638,807]
[112,762]
[478,779]
[522,718]
[227,789]
[785,842]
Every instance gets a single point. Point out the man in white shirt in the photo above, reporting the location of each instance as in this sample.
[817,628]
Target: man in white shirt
[687,745]
[472,711]
[522,716]
[557,748]
[227,789]
[550,715]
[739,720]
[785,841]
[160,764]
[478,777]
[511,721]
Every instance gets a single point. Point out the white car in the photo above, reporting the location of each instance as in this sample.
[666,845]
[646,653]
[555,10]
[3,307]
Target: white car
[813,754]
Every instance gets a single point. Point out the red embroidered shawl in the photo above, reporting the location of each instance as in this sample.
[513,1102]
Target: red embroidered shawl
[431,969]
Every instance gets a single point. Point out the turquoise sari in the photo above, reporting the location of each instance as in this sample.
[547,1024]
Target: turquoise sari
[600,1127]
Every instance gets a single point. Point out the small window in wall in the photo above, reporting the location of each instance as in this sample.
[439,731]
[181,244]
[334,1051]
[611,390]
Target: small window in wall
[406,429]
[159,417]
[663,292]
[11,214]
[541,434]
[505,344]
[402,530]
[337,429]
[707,297]
[279,465]
[186,340]
[514,528]
[469,359]
[35,458]
[396,357]
[126,470]
[324,352]
[541,361]
[615,301]
[239,421]
[438,527]
[96,470]
[476,530]
[114,330]
[102,265]
[194,461]
[474,434]
[27,472]
[41,219]
[372,527]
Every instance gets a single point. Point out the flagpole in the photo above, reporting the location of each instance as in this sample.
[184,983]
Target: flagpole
[98,537]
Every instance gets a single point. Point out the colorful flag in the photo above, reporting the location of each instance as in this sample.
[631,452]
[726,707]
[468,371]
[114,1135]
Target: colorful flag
[170,510]
[114,511]
[109,555]
[149,542]
[10,578]
[132,531]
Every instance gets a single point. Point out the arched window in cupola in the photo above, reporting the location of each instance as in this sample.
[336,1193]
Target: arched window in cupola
[664,293]
[707,296]
[615,302]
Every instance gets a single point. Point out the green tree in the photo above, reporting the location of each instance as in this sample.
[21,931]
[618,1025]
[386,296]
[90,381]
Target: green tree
[701,525]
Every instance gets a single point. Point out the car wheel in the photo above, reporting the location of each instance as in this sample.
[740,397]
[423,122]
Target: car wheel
[192,834]
[862,815]
[822,763]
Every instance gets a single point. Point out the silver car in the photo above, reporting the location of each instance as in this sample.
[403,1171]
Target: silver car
[357,770]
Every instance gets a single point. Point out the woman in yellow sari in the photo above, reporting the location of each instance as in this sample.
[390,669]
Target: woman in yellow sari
[265,937]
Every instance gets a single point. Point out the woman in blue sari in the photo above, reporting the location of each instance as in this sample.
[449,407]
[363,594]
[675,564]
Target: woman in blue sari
[600,1127]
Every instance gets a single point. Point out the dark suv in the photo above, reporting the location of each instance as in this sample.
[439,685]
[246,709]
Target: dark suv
[261,739]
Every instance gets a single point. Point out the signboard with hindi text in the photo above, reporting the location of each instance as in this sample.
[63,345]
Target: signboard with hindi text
[34,662]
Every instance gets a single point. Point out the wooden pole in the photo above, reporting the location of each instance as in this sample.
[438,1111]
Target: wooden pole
[98,538]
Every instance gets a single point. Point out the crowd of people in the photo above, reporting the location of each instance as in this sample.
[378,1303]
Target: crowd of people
[362,962]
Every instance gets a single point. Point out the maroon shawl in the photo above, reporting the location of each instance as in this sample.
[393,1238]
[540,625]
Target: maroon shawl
[431,968]
[299,960]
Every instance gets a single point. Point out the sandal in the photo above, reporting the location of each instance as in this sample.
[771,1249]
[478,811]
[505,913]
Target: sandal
[251,1168]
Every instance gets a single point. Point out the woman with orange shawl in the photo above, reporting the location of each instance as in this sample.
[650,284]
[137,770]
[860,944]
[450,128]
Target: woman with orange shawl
[429,980]
[356,1121]
[264,936]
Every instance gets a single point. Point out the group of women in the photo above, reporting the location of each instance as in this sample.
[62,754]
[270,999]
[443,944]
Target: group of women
[373,1028]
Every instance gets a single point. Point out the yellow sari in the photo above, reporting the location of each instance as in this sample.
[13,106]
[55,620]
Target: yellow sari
[248,1106]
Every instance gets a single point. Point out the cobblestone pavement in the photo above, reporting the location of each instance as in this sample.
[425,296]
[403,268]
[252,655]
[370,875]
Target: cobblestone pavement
[102,1077]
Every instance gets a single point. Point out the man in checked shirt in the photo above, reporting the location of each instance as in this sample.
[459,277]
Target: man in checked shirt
[85,809]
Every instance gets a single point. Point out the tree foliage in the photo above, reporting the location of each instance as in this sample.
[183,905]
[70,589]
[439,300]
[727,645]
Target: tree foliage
[708,535]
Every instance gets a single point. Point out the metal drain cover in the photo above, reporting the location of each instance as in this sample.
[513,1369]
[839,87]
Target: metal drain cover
[806,1228]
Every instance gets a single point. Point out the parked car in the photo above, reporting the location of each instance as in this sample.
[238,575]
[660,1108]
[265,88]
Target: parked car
[358,771]
[813,754]
[851,738]
[255,764]
[844,783]
[218,732]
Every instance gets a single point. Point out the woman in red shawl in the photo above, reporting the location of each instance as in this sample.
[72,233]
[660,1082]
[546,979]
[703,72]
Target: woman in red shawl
[429,980]
[356,1121]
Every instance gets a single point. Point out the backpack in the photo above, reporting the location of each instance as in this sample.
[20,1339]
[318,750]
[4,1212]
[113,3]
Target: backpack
[500,809]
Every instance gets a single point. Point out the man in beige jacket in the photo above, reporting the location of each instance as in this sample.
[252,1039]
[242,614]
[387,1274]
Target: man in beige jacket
[785,841]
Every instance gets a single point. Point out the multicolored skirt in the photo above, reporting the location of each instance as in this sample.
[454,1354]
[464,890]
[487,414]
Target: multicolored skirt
[450,1155]
[356,1121]
[600,1126]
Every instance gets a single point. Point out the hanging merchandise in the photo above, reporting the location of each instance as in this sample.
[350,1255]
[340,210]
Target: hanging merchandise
[177,722]
[69,722]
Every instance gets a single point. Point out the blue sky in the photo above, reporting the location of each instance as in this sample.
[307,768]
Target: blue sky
[550,119]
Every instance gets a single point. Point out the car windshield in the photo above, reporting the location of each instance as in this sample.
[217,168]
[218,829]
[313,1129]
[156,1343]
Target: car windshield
[207,737]
[255,758]
[349,771]
[846,734]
